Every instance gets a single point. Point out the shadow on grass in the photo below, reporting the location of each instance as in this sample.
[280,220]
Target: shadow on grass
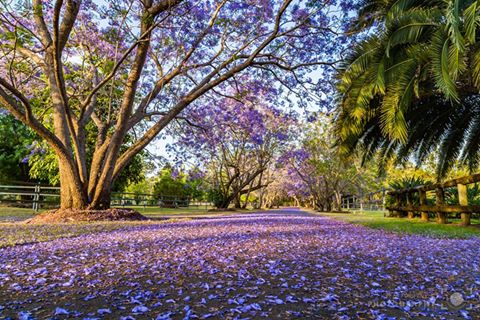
[376,220]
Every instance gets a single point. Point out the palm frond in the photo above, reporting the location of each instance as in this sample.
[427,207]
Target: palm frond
[471,21]
[440,56]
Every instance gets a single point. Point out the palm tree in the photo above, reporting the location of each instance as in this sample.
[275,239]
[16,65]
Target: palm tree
[412,83]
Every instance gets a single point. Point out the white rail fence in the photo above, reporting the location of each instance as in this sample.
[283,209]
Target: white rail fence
[374,201]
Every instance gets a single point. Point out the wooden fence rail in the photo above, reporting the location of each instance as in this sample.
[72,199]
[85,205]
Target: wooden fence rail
[38,196]
[403,200]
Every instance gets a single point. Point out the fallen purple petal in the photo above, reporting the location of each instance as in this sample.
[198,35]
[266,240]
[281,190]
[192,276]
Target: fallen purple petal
[280,265]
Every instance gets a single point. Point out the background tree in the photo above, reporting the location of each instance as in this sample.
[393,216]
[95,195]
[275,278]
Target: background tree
[131,67]
[276,193]
[171,187]
[238,138]
[138,190]
[319,168]
[174,187]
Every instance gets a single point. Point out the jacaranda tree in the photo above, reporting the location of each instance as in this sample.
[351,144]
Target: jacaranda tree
[411,86]
[317,167]
[131,67]
[236,138]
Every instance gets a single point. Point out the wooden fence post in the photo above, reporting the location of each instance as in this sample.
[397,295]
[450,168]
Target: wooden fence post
[36,198]
[423,201]
[409,202]
[463,201]
[361,202]
[440,201]
[383,198]
[398,202]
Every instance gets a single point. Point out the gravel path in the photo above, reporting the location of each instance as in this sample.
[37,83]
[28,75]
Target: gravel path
[281,265]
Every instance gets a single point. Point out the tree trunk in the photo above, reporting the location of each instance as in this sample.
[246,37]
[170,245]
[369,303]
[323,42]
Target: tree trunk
[328,206]
[319,206]
[424,216]
[338,201]
[247,197]
[466,218]
[224,204]
[261,200]
[237,203]
[297,202]
[245,204]
[102,199]
[72,192]
[442,218]
[71,199]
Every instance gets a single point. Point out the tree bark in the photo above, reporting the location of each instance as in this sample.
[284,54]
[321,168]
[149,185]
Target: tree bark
[103,199]
[237,203]
[224,204]
[338,201]
[72,191]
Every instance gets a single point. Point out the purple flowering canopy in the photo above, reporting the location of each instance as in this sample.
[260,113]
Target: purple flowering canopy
[236,139]
[317,175]
[128,68]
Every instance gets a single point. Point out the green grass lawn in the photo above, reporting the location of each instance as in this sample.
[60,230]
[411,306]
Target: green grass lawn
[12,214]
[156,212]
[376,220]
[9,214]
[14,232]
[18,233]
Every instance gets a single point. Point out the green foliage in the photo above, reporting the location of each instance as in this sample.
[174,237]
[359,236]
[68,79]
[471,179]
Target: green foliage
[395,173]
[411,85]
[133,173]
[44,166]
[407,183]
[251,197]
[139,188]
[196,188]
[473,195]
[328,173]
[170,186]
[25,158]
[217,197]
[177,188]
[15,145]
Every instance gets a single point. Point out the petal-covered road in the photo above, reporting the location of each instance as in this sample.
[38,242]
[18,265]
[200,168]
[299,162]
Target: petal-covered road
[279,265]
